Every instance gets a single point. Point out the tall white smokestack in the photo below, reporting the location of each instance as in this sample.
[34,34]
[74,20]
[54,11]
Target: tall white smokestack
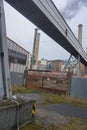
[80,33]
[80,41]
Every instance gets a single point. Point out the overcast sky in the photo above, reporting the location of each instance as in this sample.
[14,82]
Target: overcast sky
[21,30]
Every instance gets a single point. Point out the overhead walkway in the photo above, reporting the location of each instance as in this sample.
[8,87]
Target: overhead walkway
[45,15]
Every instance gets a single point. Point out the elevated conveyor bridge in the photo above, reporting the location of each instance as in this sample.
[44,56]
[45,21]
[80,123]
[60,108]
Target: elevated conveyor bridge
[45,15]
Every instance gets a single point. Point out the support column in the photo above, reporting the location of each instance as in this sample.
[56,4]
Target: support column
[4,63]
[65,67]
[79,67]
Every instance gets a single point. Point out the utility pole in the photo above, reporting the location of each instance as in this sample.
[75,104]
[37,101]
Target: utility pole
[5,82]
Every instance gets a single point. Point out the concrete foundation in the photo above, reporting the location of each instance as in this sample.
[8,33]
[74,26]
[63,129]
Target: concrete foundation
[79,87]
[8,114]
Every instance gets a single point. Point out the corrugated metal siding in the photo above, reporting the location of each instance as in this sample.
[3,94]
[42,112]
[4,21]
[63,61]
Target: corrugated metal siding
[16,78]
[79,87]
[17,68]
[21,54]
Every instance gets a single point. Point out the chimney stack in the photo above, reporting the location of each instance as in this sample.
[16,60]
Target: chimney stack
[36,49]
[35,39]
[80,41]
[80,33]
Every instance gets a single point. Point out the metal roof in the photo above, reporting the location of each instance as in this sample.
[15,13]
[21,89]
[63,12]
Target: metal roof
[18,45]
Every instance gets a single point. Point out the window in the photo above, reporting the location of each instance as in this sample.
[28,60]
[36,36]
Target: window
[17,57]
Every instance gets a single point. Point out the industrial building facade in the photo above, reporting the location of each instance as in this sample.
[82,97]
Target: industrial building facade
[19,59]
[51,65]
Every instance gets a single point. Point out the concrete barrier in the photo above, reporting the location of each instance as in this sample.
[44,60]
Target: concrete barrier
[79,87]
[8,114]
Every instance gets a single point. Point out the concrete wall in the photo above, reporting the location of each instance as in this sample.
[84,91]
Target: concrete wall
[8,115]
[16,78]
[79,87]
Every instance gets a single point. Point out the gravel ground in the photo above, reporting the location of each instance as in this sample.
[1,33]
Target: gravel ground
[44,116]
[54,114]
[67,110]
[50,117]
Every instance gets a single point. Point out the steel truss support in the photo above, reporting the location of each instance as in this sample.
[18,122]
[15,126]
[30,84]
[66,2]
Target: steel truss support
[79,66]
[5,85]
[60,76]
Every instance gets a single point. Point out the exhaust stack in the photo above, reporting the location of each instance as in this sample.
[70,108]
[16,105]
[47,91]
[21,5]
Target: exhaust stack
[80,41]
[36,49]
[80,33]
[35,39]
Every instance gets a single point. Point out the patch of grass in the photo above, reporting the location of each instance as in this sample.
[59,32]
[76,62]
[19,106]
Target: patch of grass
[39,126]
[50,98]
[33,126]
[6,102]
[57,99]
[74,124]
[21,89]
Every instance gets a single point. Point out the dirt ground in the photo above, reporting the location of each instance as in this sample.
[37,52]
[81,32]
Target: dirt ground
[54,116]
